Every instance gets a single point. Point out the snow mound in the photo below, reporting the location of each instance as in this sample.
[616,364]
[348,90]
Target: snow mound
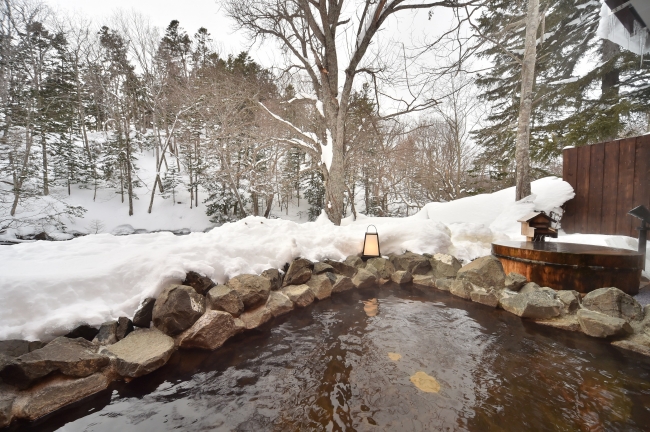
[49,287]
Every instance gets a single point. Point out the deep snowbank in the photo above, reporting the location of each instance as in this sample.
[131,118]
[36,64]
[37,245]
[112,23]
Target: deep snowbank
[49,287]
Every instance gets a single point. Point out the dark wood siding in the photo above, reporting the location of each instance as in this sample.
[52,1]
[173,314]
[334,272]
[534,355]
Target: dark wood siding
[609,180]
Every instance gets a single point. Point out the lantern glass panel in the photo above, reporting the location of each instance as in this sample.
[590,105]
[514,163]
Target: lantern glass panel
[371,245]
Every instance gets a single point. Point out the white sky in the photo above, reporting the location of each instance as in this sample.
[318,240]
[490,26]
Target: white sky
[192,15]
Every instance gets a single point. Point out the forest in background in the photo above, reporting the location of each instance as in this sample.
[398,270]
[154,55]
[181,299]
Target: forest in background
[82,102]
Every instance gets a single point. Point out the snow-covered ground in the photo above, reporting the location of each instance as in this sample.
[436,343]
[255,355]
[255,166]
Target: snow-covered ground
[46,288]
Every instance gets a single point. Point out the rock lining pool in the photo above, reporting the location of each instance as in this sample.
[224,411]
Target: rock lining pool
[327,367]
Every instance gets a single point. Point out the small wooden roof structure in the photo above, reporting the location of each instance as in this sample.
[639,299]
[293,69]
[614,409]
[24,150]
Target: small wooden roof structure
[630,11]
[530,216]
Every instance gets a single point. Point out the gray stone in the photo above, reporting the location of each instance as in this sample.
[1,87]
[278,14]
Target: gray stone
[515,281]
[253,290]
[256,317]
[364,279]
[16,347]
[342,283]
[342,268]
[415,264]
[209,332]
[299,272]
[200,283]
[565,322]
[279,304]
[383,266]
[72,357]
[321,267]
[300,295]
[536,305]
[529,287]
[177,308]
[224,298]
[600,325]
[141,352]
[374,272]
[144,315]
[55,393]
[355,261]
[444,266]
[7,397]
[124,327]
[401,277]
[570,299]
[462,288]
[107,333]
[488,298]
[423,282]
[275,278]
[484,272]
[444,284]
[613,302]
[83,331]
[637,343]
[321,285]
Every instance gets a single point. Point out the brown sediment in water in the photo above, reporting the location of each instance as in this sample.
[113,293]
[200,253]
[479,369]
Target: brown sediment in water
[425,382]
[394,356]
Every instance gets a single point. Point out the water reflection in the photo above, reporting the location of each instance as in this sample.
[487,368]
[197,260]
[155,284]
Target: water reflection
[326,367]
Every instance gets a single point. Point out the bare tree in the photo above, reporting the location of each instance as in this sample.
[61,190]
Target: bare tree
[310,32]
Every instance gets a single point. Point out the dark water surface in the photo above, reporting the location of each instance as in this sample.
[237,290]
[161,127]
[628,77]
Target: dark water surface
[327,368]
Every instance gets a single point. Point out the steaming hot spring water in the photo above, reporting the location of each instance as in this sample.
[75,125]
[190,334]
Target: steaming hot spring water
[387,358]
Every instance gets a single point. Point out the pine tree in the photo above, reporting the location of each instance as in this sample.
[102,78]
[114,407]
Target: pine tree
[171,180]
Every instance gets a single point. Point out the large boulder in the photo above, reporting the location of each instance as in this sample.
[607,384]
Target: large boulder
[85,331]
[7,397]
[144,315]
[484,272]
[563,322]
[342,283]
[342,268]
[529,287]
[601,325]
[252,289]
[141,352]
[413,263]
[462,288]
[639,343]
[486,297]
[613,302]
[72,357]
[209,332]
[224,298]
[515,281]
[364,279]
[383,267]
[321,285]
[321,267]
[17,347]
[200,283]
[279,304]
[570,299]
[401,277]
[444,284]
[300,295]
[299,272]
[275,278]
[423,282]
[536,305]
[444,266]
[256,317]
[177,308]
[355,261]
[124,327]
[107,334]
[55,393]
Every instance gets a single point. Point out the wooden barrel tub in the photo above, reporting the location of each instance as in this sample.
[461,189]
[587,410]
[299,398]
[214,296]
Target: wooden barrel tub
[570,266]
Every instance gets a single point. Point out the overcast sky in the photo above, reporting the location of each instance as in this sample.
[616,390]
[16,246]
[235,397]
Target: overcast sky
[192,14]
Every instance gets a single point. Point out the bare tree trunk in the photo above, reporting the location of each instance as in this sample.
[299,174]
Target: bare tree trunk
[129,168]
[269,206]
[522,153]
[610,81]
[46,189]
[18,185]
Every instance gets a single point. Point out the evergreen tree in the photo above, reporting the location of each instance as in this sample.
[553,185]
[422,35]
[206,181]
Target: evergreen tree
[314,193]
[567,109]
[171,180]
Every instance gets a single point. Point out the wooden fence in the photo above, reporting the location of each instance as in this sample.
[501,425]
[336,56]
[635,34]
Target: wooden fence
[609,180]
